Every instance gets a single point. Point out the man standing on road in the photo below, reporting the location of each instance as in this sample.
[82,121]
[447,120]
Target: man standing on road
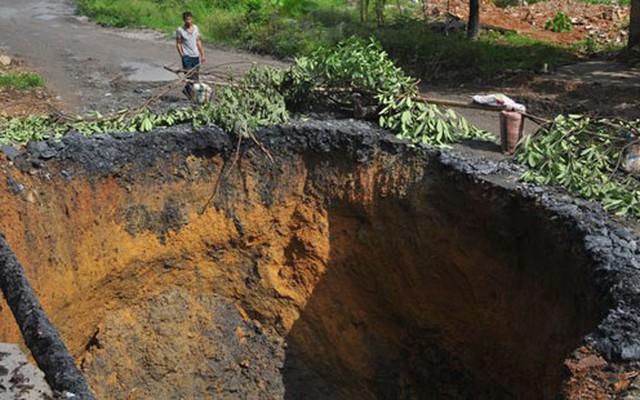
[190,46]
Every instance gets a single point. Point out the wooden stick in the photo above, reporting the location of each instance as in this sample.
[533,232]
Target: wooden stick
[174,70]
[462,104]
[459,104]
[430,100]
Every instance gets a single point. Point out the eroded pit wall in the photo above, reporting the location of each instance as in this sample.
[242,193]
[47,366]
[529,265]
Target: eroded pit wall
[353,266]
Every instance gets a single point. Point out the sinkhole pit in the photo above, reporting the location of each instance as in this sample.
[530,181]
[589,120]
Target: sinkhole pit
[350,266]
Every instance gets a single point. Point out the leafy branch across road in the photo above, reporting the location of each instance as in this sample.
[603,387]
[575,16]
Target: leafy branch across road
[586,157]
[334,75]
[329,78]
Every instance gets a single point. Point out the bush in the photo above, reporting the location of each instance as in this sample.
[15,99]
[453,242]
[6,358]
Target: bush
[282,37]
[254,11]
[559,23]
[23,80]
[222,27]
[430,55]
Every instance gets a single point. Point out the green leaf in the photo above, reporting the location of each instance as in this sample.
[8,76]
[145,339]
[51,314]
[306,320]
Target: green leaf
[405,118]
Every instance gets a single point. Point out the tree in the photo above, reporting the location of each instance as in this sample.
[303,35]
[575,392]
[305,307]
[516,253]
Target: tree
[634,24]
[473,25]
[379,9]
[364,10]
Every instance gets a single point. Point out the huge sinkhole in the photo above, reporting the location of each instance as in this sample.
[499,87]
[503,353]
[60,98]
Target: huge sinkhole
[350,266]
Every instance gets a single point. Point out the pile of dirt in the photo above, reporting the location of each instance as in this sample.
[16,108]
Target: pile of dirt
[601,23]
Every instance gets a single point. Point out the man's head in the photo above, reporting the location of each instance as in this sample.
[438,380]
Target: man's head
[187,17]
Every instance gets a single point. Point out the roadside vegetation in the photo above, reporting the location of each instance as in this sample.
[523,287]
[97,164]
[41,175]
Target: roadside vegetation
[23,80]
[286,28]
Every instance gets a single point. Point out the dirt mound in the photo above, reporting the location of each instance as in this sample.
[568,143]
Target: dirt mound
[353,266]
[602,23]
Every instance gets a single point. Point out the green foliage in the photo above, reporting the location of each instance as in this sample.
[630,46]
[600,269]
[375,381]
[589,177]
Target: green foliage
[421,122]
[22,80]
[334,73]
[559,23]
[24,130]
[253,102]
[294,8]
[122,13]
[329,76]
[365,68]
[350,64]
[282,37]
[584,156]
[254,11]
[431,55]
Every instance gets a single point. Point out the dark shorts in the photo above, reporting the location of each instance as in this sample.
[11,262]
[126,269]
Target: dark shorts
[189,63]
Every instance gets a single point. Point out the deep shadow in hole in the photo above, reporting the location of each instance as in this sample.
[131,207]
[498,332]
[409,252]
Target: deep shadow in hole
[451,292]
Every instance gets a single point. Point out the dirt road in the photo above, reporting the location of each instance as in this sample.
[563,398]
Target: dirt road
[91,67]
